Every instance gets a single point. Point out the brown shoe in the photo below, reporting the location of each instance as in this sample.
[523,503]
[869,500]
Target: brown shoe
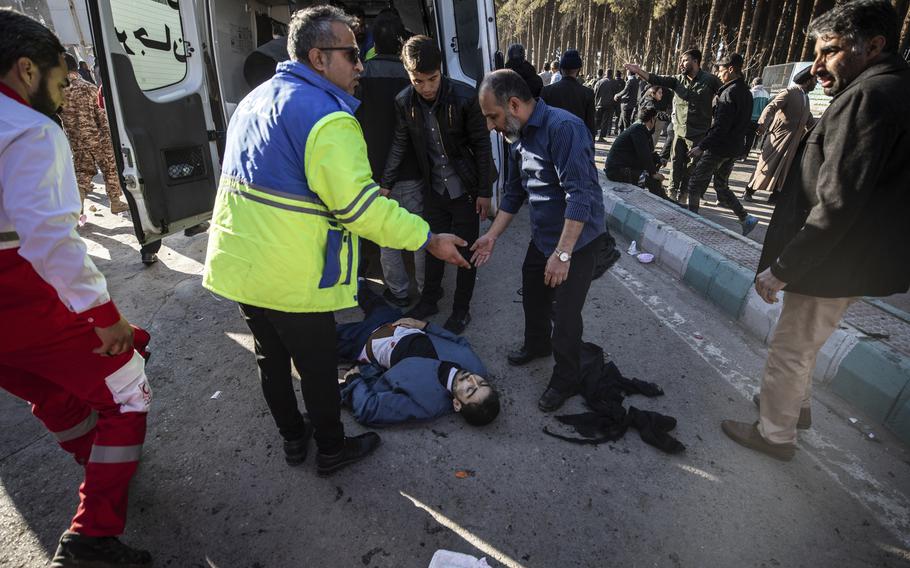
[805,414]
[747,435]
[119,206]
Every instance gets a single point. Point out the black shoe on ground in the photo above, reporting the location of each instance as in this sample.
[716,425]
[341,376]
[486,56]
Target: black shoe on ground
[524,355]
[391,298]
[355,449]
[748,196]
[97,552]
[551,400]
[196,229]
[458,321]
[149,258]
[422,310]
[295,451]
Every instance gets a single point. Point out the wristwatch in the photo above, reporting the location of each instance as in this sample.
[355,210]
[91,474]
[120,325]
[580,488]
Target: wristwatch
[562,255]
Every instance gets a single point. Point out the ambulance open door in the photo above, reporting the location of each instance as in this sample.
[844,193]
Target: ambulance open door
[467,36]
[152,56]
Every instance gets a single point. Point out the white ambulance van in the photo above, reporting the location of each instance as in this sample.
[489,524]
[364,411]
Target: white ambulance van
[172,76]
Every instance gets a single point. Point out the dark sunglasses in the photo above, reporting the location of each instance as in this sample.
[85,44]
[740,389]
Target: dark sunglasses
[353,53]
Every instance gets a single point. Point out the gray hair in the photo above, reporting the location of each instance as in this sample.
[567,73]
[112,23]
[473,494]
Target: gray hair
[312,27]
[859,21]
[505,84]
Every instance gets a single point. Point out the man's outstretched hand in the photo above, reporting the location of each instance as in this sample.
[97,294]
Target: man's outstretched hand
[444,246]
[483,250]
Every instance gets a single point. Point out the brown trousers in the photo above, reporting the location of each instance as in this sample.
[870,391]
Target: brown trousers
[88,161]
[805,323]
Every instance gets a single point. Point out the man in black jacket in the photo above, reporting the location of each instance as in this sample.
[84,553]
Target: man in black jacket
[440,119]
[628,100]
[568,94]
[632,154]
[718,150]
[515,60]
[840,228]
[604,105]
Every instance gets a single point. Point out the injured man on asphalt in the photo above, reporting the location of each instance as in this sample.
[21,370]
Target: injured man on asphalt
[410,370]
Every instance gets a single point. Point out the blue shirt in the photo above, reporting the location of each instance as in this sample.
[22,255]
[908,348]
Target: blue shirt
[552,164]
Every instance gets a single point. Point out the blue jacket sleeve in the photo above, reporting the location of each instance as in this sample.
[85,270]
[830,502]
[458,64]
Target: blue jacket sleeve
[572,151]
[379,408]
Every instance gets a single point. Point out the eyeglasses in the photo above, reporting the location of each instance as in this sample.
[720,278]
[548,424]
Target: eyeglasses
[353,53]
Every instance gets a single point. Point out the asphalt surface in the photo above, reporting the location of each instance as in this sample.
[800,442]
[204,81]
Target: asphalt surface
[213,489]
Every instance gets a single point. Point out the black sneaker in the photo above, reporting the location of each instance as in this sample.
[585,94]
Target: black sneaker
[295,451]
[458,321]
[355,449]
[422,310]
[97,552]
[391,298]
[149,258]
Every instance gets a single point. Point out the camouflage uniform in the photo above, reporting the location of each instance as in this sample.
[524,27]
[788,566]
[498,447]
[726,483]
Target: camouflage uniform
[86,126]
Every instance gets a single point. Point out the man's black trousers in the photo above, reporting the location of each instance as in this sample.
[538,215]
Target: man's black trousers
[603,120]
[307,339]
[719,167]
[563,304]
[457,216]
[626,116]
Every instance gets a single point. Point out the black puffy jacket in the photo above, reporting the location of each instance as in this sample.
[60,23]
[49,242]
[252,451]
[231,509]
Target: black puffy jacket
[464,136]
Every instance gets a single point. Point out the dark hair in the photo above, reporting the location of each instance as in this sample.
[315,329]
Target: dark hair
[421,54]
[71,63]
[646,113]
[618,75]
[505,84]
[311,28]
[22,36]
[609,72]
[483,412]
[356,11]
[694,54]
[600,72]
[733,60]
[859,20]
[388,33]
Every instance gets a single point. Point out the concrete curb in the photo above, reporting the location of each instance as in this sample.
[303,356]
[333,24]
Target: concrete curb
[872,376]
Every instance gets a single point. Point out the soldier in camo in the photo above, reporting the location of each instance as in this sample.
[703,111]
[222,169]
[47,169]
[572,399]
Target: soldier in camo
[86,127]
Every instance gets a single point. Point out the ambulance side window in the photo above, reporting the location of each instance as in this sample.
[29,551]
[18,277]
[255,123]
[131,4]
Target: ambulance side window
[151,34]
[467,26]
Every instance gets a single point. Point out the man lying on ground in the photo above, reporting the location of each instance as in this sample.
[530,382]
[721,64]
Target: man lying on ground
[411,370]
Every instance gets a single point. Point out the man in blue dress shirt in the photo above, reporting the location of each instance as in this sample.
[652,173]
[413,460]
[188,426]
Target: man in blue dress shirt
[552,165]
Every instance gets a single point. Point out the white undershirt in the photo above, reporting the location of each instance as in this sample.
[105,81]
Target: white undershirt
[383,347]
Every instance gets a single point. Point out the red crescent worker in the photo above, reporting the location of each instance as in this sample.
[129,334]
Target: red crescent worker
[64,347]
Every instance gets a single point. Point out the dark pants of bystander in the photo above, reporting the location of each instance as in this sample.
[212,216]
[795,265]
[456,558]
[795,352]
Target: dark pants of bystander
[307,339]
[719,167]
[554,314]
[457,216]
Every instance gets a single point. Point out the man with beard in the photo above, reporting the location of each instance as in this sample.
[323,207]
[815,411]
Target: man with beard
[839,230]
[64,346]
[693,104]
[559,180]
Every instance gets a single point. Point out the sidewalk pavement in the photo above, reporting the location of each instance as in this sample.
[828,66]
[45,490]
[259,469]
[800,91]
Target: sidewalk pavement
[866,361]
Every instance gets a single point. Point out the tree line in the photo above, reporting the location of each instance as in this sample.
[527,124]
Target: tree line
[609,33]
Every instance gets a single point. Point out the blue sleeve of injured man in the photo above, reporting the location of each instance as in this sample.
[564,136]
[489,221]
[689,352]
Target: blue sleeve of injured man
[409,391]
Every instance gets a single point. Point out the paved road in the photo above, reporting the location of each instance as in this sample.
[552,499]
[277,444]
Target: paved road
[214,491]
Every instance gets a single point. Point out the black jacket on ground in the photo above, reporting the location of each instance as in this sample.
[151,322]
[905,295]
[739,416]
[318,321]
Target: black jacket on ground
[528,73]
[633,149]
[604,90]
[568,94]
[464,135]
[840,227]
[731,121]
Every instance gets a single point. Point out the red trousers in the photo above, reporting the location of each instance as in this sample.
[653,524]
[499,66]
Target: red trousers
[95,405]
